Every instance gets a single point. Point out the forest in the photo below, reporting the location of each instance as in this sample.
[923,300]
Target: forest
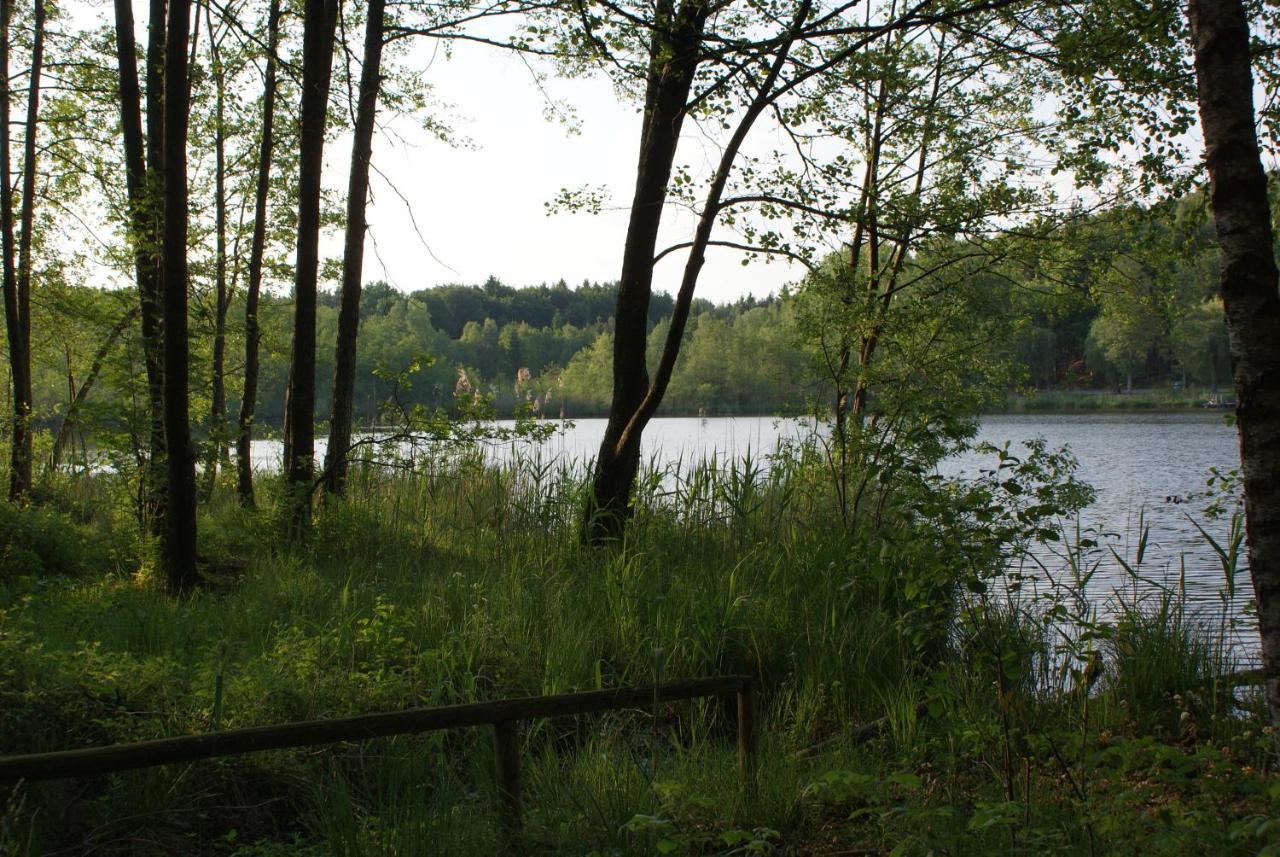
[982,205]
[1137,305]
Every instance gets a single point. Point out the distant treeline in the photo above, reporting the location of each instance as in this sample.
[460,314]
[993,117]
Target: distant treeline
[1124,299]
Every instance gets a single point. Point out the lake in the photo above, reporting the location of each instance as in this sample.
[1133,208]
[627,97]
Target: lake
[1140,465]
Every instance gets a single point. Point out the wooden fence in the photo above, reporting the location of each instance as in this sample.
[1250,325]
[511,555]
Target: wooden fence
[504,715]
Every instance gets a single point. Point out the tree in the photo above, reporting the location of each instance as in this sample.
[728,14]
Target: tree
[335,467]
[217,370]
[675,50]
[142,185]
[1250,293]
[252,327]
[17,271]
[179,541]
[744,77]
[1126,333]
[1200,343]
[936,129]
[319,25]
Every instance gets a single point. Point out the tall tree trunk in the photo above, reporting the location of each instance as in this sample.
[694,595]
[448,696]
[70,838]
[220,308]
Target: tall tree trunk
[673,60]
[20,475]
[179,544]
[1250,294]
[19,360]
[148,214]
[81,394]
[252,330]
[218,394]
[317,59]
[17,261]
[344,377]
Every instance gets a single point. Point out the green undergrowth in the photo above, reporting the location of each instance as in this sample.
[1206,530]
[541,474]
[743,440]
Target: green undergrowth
[906,707]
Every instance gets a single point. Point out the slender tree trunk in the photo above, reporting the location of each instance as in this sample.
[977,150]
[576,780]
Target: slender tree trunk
[19,360]
[141,236]
[179,544]
[1250,294]
[146,204]
[20,474]
[218,393]
[344,377]
[80,395]
[673,60]
[252,330]
[17,260]
[317,59]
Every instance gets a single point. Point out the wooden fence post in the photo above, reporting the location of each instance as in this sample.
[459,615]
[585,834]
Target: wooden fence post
[748,735]
[506,751]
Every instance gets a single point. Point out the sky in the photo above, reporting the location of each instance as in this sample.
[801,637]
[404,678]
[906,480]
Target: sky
[481,211]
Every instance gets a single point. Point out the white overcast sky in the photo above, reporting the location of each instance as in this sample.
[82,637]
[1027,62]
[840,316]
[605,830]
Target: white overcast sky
[482,210]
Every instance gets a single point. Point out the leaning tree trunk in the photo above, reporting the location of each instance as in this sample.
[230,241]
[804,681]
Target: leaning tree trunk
[1249,281]
[179,543]
[673,60]
[317,58]
[672,63]
[252,330]
[344,378]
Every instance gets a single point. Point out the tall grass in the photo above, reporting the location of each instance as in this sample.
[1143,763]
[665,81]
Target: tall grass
[462,579]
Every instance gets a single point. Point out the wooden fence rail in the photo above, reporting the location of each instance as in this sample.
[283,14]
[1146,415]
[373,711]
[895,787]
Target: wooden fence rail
[504,715]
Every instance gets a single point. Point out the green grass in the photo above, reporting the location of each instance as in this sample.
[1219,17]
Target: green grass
[464,582]
[1068,401]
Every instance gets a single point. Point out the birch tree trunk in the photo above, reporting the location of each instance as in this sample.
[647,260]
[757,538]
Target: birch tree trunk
[1249,282]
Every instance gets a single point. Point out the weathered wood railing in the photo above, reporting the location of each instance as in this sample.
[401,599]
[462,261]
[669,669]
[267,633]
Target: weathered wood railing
[504,715]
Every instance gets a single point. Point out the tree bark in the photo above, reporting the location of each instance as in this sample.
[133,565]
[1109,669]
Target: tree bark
[344,377]
[19,361]
[20,475]
[320,22]
[143,162]
[217,380]
[252,330]
[1250,294]
[17,260]
[179,543]
[673,60]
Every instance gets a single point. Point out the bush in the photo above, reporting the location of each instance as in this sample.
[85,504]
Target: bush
[41,543]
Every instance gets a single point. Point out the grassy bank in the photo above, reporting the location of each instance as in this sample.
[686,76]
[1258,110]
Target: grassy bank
[905,705]
[1068,401]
